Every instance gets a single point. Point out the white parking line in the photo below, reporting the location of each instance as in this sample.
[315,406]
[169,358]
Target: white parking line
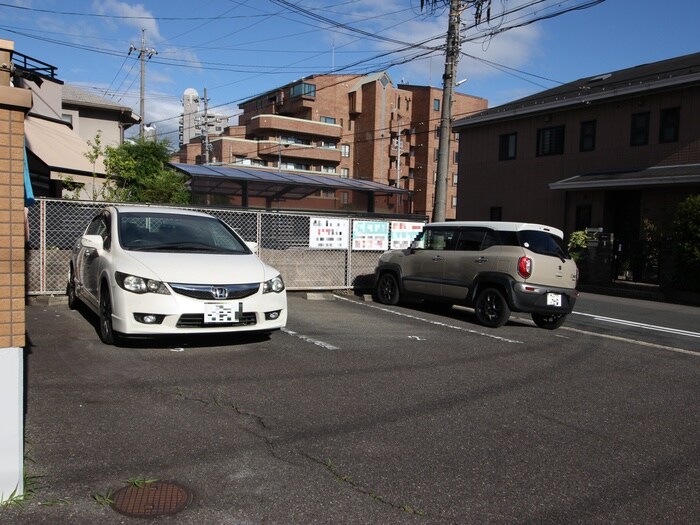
[641,325]
[436,323]
[308,339]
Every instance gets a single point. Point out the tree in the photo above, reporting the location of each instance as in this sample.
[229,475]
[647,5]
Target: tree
[686,236]
[93,154]
[137,171]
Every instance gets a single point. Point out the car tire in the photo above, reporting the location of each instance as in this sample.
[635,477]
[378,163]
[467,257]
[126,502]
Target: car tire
[70,290]
[549,321]
[107,334]
[491,308]
[387,291]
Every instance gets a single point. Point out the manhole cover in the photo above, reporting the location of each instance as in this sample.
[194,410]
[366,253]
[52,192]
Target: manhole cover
[152,499]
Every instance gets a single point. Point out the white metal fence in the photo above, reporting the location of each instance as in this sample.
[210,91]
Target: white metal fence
[286,240]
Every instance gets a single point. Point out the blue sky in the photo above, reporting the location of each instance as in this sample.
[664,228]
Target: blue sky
[239,48]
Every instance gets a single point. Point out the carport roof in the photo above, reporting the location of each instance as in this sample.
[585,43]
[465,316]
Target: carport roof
[274,184]
[687,174]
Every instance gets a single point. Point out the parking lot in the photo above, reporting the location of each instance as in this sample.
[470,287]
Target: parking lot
[362,413]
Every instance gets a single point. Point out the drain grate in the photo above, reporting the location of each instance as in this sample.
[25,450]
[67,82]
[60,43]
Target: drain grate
[152,499]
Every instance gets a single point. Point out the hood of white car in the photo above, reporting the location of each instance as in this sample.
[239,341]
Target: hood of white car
[198,268]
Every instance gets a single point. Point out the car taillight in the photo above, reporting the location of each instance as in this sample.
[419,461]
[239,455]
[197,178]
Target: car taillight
[525,267]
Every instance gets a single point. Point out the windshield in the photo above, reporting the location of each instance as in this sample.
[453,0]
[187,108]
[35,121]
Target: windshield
[543,243]
[162,232]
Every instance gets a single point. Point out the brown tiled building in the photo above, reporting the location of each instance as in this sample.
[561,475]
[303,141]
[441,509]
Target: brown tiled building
[14,104]
[617,151]
[348,126]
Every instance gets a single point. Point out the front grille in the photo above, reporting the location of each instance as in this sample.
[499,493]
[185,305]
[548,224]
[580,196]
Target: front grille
[207,292]
[197,321]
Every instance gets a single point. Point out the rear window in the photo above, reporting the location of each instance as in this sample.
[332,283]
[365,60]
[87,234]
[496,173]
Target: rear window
[543,243]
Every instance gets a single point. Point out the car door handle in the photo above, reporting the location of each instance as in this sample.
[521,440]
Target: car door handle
[481,260]
[437,258]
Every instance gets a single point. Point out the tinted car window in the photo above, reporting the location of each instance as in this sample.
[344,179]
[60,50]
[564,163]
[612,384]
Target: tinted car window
[470,240]
[543,243]
[440,239]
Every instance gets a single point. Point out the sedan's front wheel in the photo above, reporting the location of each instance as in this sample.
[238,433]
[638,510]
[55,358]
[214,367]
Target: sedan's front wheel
[106,331]
[70,290]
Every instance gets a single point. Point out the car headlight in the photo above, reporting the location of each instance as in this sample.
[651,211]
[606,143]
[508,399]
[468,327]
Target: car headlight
[136,284]
[276,284]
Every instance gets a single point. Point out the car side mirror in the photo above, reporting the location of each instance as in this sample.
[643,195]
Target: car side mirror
[252,246]
[417,245]
[92,241]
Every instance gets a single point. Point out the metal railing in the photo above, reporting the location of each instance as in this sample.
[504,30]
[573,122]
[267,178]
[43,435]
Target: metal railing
[286,241]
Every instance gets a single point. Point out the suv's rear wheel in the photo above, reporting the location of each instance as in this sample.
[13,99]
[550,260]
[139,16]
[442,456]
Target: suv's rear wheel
[549,321]
[388,289]
[491,308]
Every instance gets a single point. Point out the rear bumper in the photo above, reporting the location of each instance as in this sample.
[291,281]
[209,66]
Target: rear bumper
[532,298]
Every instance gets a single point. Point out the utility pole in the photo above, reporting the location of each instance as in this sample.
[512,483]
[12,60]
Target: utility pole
[205,128]
[448,80]
[144,53]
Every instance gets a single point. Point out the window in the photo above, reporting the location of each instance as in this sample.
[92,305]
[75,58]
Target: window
[345,150]
[550,141]
[639,134]
[454,201]
[344,197]
[470,240]
[669,124]
[303,89]
[344,173]
[454,179]
[437,131]
[328,169]
[508,146]
[440,239]
[328,120]
[436,104]
[455,157]
[587,139]
[66,117]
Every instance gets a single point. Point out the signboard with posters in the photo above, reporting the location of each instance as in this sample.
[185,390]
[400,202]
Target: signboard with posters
[370,235]
[328,233]
[403,233]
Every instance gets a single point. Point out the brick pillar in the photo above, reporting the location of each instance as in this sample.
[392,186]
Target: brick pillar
[14,104]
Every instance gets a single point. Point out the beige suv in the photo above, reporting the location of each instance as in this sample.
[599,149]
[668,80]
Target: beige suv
[495,267]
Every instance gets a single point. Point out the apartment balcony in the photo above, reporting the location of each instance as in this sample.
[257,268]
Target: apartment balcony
[290,151]
[273,125]
[394,148]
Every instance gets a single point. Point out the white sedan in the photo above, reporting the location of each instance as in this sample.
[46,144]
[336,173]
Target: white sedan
[163,271]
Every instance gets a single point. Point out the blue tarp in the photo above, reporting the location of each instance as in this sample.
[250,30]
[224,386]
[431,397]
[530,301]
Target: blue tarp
[28,192]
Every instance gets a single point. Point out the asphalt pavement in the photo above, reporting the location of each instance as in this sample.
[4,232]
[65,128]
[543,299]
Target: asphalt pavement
[358,413]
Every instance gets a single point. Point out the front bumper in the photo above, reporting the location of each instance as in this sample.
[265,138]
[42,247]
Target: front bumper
[178,314]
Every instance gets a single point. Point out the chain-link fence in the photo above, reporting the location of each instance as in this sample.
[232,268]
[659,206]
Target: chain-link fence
[311,251]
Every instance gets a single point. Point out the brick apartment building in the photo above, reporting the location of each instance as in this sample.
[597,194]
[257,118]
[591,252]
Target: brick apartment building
[347,126]
[617,151]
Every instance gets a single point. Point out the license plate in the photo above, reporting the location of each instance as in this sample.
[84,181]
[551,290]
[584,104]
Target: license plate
[220,312]
[553,299]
